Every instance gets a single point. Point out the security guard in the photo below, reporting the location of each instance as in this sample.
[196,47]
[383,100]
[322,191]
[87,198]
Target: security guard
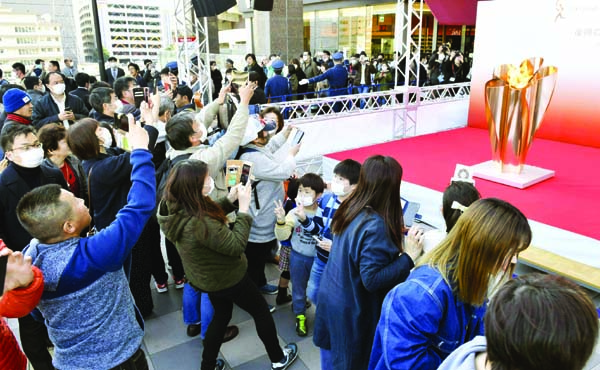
[337,77]
[277,87]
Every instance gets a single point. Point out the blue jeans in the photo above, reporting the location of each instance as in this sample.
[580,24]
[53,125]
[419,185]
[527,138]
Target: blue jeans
[326,362]
[300,266]
[197,308]
[315,280]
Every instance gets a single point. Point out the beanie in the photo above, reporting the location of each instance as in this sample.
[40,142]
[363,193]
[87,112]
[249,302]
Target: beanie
[14,99]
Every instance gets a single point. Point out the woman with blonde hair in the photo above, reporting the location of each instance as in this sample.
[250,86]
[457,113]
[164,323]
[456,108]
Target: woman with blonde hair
[442,303]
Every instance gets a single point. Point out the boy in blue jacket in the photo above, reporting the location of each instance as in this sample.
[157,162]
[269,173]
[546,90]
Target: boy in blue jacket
[87,305]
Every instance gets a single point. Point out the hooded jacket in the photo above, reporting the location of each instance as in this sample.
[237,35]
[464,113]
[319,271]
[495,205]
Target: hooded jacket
[464,356]
[212,253]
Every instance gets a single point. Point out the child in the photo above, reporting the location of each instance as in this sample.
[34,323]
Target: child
[303,244]
[344,181]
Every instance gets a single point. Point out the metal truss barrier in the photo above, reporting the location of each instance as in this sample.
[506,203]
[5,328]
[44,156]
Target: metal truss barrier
[299,111]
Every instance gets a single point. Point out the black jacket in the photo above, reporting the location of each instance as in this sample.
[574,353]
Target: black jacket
[83,94]
[109,76]
[46,110]
[12,189]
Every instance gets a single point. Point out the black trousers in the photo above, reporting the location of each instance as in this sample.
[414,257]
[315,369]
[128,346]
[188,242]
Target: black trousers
[247,297]
[174,260]
[135,362]
[258,254]
[34,339]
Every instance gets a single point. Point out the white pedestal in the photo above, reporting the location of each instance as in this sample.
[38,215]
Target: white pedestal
[530,175]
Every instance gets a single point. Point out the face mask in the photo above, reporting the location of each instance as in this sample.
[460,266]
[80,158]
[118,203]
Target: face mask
[105,138]
[118,106]
[211,186]
[32,158]
[306,201]
[305,57]
[58,89]
[112,65]
[337,188]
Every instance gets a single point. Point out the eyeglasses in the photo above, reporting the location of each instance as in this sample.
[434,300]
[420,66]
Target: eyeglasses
[27,147]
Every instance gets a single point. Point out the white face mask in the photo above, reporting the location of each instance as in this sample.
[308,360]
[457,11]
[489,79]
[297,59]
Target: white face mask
[58,89]
[105,138]
[112,65]
[306,200]
[118,106]
[211,186]
[32,158]
[337,188]
[305,57]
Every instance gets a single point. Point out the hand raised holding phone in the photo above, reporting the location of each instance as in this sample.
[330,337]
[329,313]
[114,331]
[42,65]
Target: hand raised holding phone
[244,196]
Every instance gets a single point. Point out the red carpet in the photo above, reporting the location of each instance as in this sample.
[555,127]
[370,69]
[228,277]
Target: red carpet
[570,200]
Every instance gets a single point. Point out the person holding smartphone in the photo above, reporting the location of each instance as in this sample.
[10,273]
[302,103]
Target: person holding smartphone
[58,105]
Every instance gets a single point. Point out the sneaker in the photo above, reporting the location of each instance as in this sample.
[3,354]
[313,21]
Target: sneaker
[283,299]
[220,364]
[161,288]
[269,289]
[290,352]
[179,284]
[271,308]
[301,329]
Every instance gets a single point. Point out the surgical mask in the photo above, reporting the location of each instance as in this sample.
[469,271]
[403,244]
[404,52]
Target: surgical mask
[305,57]
[112,65]
[106,138]
[32,158]
[211,186]
[118,106]
[337,188]
[58,89]
[306,200]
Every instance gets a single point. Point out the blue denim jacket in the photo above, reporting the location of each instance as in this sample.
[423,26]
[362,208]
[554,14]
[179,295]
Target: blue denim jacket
[422,322]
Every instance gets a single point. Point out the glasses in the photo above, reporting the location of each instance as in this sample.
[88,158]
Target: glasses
[27,147]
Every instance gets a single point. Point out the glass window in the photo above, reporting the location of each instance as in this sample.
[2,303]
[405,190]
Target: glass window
[325,35]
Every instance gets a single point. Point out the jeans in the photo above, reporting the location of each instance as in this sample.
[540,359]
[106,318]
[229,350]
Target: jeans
[312,291]
[363,89]
[136,362]
[247,297]
[257,254]
[197,308]
[300,267]
[326,362]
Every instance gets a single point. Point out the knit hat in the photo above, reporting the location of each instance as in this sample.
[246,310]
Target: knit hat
[14,99]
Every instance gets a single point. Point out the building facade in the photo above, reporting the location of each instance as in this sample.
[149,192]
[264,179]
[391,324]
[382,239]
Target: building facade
[27,37]
[131,30]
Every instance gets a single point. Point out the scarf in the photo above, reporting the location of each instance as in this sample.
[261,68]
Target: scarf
[17,118]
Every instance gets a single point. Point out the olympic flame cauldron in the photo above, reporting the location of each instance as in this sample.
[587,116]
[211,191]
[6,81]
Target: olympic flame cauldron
[516,100]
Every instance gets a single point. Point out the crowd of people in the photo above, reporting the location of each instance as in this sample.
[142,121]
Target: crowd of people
[91,177]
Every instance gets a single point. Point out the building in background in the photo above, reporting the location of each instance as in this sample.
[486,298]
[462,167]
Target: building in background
[132,30]
[27,37]
[60,12]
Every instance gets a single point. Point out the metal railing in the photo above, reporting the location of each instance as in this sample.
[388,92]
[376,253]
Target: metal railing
[324,108]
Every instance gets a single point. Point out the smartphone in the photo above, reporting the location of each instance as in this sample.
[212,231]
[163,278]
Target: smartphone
[121,122]
[232,176]
[318,238]
[298,137]
[3,262]
[245,174]
[167,86]
[68,109]
[138,96]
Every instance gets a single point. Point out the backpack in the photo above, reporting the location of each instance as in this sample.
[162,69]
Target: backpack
[162,174]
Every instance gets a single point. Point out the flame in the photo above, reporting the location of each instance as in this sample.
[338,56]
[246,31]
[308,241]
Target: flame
[519,78]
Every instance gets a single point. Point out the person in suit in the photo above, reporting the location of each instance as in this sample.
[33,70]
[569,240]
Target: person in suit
[83,89]
[58,106]
[113,71]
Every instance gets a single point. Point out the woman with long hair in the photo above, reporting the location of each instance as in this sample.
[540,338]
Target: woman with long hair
[442,303]
[368,257]
[213,256]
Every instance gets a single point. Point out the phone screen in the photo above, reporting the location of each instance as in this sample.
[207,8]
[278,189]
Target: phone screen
[298,137]
[121,122]
[245,174]
[138,96]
